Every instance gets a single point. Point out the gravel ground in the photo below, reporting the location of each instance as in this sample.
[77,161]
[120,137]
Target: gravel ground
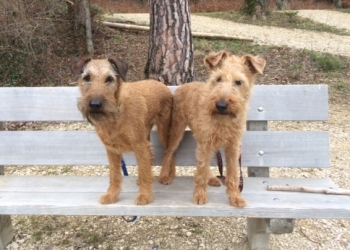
[102,232]
[331,18]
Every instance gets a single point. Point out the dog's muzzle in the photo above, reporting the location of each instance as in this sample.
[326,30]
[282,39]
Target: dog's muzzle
[95,104]
[221,106]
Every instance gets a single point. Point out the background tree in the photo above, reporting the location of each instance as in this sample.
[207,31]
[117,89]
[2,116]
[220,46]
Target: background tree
[82,19]
[338,3]
[259,8]
[170,55]
[281,4]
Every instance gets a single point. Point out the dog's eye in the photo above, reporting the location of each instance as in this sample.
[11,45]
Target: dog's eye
[219,79]
[238,83]
[87,78]
[109,79]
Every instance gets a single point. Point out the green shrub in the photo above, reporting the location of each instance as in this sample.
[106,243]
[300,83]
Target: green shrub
[327,62]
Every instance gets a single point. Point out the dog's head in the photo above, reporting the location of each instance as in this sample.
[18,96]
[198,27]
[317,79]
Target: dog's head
[230,82]
[99,82]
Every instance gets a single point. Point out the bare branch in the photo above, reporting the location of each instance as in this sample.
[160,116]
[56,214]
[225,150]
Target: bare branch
[70,2]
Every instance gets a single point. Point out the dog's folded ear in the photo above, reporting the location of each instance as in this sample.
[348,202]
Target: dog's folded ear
[255,64]
[78,65]
[120,66]
[213,60]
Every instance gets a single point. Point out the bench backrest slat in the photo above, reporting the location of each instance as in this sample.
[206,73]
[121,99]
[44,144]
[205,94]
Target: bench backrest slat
[280,149]
[275,102]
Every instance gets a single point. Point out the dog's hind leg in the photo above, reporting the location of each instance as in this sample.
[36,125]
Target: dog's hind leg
[115,178]
[163,122]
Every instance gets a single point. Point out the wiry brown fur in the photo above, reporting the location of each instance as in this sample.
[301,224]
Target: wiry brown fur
[123,122]
[230,82]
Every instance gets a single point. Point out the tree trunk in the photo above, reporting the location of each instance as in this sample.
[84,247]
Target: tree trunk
[88,30]
[256,8]
[170,55]
[80,10]
[338,3]
[281,4]
[265,8]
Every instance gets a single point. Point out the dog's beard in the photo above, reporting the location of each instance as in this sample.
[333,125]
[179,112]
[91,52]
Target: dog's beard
[95,116]
[233,110]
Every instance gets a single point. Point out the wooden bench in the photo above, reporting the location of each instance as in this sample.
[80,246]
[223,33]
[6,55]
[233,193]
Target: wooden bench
[267,211]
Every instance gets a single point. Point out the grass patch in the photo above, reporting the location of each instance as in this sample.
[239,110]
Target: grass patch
[234,46]
[343,10]
[326,62]
[92,238]
[286,19]
[341,85]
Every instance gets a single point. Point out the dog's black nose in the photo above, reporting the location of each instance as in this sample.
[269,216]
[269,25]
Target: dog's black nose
[221,106]
[95,104]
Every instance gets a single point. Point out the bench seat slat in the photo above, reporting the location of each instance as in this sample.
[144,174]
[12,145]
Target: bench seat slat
[281,149]
[279,102]
[72,195]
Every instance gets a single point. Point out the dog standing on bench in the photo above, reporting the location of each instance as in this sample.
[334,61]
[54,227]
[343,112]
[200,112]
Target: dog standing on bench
[216,113]
[123,115]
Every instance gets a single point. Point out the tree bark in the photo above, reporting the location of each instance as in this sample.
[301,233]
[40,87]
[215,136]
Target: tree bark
[88,30]
[281,4]
[80,11]
[170,55]
[265,7]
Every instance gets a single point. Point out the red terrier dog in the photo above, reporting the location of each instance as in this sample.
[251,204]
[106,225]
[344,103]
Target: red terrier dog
[216,113]
[123,115]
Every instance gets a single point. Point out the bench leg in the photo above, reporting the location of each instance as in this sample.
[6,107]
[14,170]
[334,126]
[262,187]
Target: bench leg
[6,231]
[258,237]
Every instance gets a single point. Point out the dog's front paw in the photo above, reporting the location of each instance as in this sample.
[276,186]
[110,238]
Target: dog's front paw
[237,202]
[214,181]
[165,180]
[200,199]
[108,199]
[143,199]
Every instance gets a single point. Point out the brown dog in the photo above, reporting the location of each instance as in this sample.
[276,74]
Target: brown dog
[216,113]
[123,115]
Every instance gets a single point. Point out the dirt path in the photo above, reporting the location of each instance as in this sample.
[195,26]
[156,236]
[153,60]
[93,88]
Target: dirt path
[331,18]
[301,39]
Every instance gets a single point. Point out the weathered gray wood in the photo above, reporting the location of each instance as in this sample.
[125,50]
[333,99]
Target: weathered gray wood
[258,239]
[289,102]
[279,102]
[281,149]
[78,195]
[260,229]
[39,104]
[6,229]
[257,171]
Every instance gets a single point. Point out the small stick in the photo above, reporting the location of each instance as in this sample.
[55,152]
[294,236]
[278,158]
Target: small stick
[308,190]
[70,2]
